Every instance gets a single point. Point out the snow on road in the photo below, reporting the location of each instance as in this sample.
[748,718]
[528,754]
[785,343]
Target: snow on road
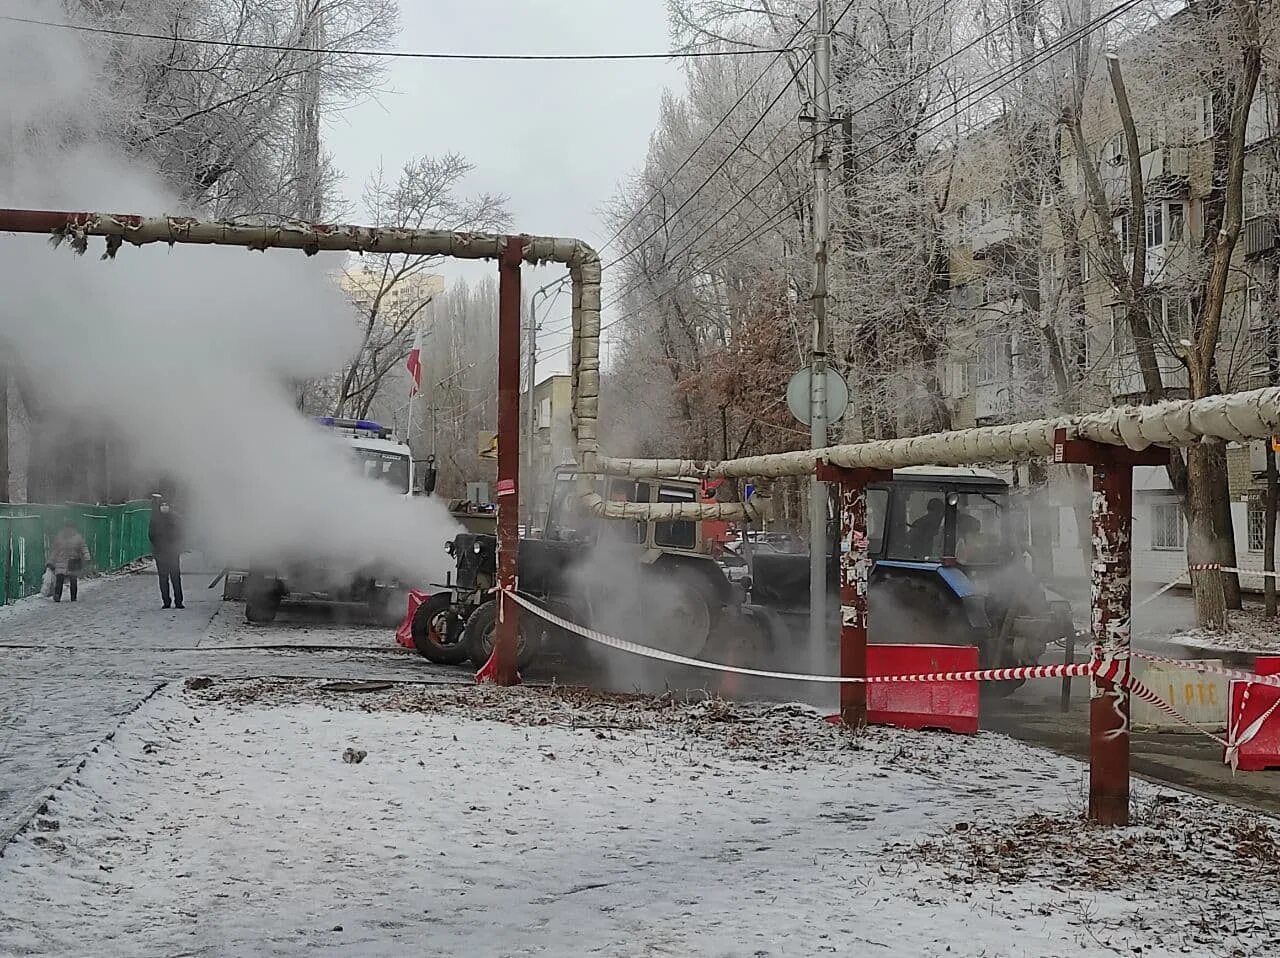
[224,821]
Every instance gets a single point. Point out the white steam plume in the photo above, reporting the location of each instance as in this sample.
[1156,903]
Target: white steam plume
[185,353]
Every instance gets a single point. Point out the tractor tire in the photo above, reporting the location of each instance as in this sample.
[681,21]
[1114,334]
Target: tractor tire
[680,617]
[437,631]
[481,633]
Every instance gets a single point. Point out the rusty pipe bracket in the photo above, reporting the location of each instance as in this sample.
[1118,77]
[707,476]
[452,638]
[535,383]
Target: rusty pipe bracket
[1089,453]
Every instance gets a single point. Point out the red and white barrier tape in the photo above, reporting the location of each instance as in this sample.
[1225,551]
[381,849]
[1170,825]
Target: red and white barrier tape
[979,675]
[1105,664]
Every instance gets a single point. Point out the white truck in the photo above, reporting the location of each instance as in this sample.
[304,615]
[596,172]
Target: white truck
[381,458]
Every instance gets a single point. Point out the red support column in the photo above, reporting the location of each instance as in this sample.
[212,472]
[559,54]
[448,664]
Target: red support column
[855,568]
[1111,600]
[503,662]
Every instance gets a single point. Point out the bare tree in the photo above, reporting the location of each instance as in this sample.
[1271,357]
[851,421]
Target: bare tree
[387,291]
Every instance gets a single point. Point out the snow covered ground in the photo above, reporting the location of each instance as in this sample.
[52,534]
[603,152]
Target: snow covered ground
[223,820]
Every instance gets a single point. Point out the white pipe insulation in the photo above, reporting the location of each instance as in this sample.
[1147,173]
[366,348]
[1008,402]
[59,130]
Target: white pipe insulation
[1236,417]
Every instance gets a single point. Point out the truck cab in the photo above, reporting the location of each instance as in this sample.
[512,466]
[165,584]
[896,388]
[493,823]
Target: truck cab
[379,457]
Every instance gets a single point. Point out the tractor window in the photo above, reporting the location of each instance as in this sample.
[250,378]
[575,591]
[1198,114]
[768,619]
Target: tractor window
[629,530]
[980,529]
[564,519]
[917,524]
[682,534]
[877,506]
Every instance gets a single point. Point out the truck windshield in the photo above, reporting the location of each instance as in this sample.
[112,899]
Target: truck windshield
[389,467]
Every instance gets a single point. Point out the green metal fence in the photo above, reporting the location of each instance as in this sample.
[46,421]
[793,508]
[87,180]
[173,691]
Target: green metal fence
[116,536]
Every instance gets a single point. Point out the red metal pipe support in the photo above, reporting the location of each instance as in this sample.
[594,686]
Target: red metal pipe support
[1111,601]
[504,662]
[855,569]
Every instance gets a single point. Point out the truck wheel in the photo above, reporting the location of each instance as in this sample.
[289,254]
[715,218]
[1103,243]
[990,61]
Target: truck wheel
[481,632]
[263,610]
[262,600]
[437,631]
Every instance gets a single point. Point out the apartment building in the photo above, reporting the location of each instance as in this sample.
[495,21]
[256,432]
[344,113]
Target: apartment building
[1018,264]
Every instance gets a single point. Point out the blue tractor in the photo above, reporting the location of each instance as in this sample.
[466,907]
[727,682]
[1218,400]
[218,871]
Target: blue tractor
[949,566]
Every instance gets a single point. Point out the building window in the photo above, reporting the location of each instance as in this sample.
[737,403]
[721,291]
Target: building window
[989,350]
[1121,334]
[1204,114]
[1120,226]
[1155,227]
[1176,221]
[1085,267]
[1175,317]
[1167,528]
[1257,520]
[1113,152]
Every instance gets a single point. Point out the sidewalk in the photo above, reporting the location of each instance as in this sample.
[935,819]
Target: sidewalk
[70,672]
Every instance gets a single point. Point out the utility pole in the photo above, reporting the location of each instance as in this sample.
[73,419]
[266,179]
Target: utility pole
[533,484]
[818,361]
[530,414]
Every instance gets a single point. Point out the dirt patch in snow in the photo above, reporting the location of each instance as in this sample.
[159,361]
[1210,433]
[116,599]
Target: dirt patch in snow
[1217,861]
[1250,630]
[792,734]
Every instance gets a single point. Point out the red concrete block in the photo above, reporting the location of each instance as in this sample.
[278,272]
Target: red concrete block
[951,706]
[1263,750]
[404,634]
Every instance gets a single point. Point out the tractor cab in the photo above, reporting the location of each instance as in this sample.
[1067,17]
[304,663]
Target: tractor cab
[932,517]
[948,566]
[567,521]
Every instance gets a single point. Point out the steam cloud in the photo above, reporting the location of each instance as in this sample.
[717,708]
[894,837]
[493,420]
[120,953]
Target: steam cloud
[186,353]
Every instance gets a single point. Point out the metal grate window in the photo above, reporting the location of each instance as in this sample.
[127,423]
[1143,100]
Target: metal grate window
[1168,530]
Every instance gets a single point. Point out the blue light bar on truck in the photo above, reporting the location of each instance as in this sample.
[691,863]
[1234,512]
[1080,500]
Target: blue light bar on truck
[364,425]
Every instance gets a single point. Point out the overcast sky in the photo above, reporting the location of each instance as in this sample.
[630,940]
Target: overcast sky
[557,138]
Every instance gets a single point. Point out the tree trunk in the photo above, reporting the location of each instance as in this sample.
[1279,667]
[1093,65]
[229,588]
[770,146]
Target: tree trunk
[1224,524]
[1206,585]
[1269,535]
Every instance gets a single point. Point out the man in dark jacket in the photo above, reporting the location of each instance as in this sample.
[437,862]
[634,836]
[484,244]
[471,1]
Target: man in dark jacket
[166,546]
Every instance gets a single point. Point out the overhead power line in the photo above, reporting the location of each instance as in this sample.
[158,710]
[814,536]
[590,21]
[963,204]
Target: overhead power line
[389,54]
[670,177]
[990,84]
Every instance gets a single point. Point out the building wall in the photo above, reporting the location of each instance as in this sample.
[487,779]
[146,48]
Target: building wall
[552,444]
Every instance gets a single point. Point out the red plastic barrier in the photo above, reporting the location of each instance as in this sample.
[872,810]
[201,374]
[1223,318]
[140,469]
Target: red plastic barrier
[404,634]
[1263,750]
[952,706]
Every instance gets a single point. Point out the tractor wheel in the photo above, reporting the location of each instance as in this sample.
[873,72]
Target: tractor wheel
[481,634]
[262,600]
[437,631]
[679,618]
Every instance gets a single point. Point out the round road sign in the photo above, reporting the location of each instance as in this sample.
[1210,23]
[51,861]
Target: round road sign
[798,395]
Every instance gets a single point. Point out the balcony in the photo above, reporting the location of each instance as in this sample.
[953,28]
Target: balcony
[997,231]
[1259,235]
[1124,377]
[1164,175]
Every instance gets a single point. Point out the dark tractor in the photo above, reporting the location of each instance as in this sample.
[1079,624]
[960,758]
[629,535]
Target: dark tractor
[948,567]
[654,583]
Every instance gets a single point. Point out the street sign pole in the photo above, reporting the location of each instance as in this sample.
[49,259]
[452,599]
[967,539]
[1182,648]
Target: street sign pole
[818,364]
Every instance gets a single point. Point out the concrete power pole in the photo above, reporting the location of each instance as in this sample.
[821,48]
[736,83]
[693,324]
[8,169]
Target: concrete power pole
[818,363]
[530,416]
